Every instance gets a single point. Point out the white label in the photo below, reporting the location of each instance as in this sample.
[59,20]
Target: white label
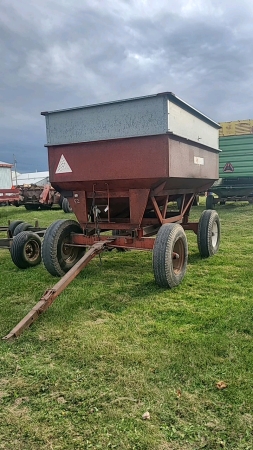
[63,166]
[198,160]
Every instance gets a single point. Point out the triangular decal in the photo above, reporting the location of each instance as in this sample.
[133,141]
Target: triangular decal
[63,166]
[228,167]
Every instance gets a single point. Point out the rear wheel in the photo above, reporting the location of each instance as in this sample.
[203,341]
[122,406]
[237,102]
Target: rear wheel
[66,206]
[12,227]
[26,250]
[208,233]
[61,200]
[58,257]
[31,207]
[170,255]
[210,202]
[179,202]
[21,227]
[196,201]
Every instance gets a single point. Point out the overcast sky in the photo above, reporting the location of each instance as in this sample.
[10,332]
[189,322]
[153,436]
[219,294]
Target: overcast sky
[63,53]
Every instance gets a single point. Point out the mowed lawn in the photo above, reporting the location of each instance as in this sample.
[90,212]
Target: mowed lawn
[114,346]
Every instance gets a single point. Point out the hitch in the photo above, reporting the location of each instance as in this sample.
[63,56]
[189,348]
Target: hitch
[51,294]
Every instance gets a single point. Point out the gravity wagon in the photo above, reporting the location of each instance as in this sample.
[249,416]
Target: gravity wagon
[120,165]
[131,170]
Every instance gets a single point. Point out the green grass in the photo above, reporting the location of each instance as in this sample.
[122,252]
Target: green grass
[114,345]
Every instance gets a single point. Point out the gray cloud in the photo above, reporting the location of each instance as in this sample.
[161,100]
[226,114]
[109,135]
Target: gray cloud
[63,53]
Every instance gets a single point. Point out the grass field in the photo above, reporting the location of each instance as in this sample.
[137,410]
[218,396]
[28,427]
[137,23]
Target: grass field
[114,346]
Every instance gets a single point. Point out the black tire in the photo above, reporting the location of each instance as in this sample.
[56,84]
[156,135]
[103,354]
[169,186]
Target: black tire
[208,233]
[12,227]
[26,250]
[21,227]
[222,202]
[61,200]
[66,206]
[196,201]
[57,258]
[209,202]
[44,207]
[169,270]
[179,202]
[31,207]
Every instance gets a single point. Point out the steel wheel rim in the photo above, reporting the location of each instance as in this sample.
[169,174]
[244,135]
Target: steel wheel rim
[32,250]
[178,262]
[69,254]
[215,234]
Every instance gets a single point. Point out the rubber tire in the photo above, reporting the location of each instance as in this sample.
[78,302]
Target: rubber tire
[44,207]
[170,272]
[21,227]
[196,201]
[61,200]
[208,242]
[12,227]
[26,250]
[66,206]
[209,202]
[31,207]
[179,202]
[222,202]
[56,261]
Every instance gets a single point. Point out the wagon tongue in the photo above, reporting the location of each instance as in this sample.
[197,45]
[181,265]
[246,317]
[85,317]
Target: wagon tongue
[51,294]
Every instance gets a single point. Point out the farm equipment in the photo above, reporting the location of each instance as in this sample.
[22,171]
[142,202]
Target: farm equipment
[227,190]
[35,197]
[123,166]
[9,196]
[235,165]
[24,243]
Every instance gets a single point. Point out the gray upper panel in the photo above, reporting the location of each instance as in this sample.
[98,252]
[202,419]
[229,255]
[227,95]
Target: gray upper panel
[147,116]
[143,116]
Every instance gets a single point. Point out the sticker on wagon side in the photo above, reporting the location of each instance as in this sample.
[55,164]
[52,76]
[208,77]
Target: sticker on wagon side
[198,160]
[63,166]
[228,168]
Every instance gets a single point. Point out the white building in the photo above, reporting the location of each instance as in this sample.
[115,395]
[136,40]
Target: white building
[5,175]
[38,178]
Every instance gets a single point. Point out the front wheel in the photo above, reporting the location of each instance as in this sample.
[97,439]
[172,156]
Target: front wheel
[208,233]
[57,255]
[170,255]
[26,250]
